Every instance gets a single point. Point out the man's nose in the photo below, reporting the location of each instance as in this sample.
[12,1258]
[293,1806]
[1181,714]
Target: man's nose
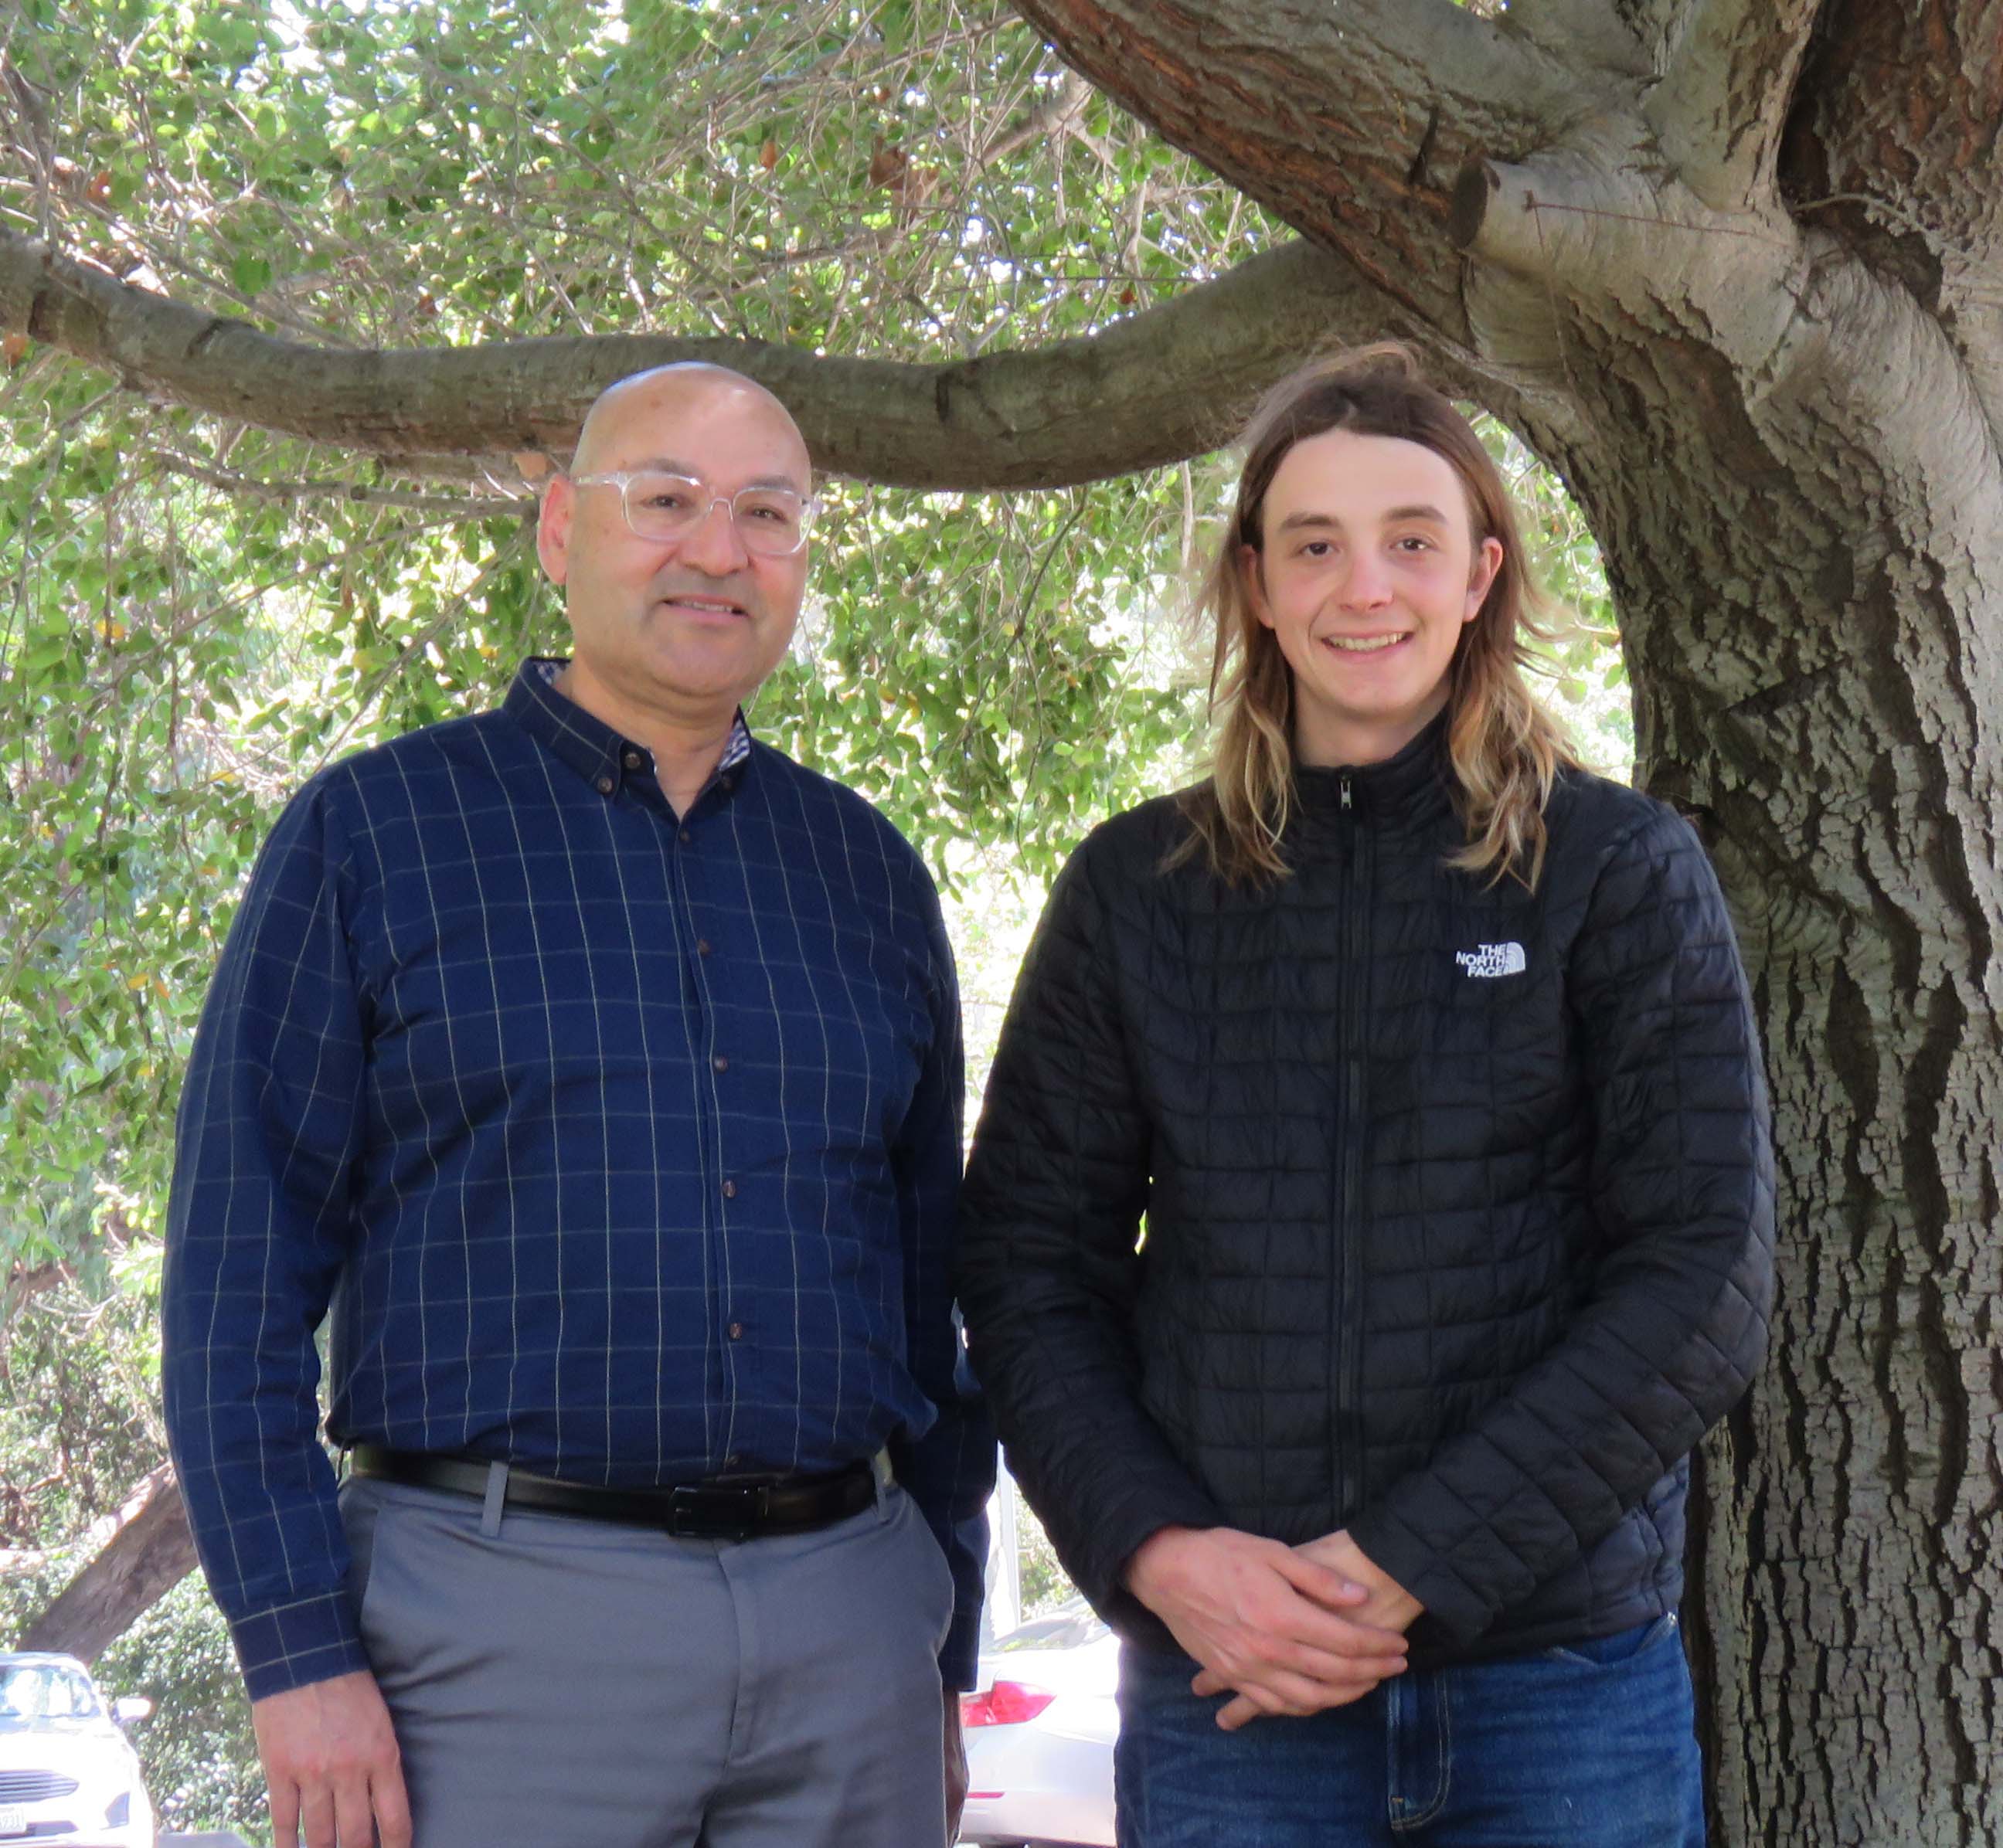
[713,545]
[1367,584]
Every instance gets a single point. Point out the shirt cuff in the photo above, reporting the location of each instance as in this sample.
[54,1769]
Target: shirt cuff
[290,1645]
[959,1660]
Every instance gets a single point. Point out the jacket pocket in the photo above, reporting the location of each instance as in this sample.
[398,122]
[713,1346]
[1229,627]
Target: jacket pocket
[1622,1646]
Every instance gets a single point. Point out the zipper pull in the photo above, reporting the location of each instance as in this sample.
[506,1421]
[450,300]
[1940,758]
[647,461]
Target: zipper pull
[1346,805]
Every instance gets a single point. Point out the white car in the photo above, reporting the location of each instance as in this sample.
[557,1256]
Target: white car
[68,1776]
[1039,1732]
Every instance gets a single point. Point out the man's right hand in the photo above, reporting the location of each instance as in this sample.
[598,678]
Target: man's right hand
[330,1761]
[1263,1618]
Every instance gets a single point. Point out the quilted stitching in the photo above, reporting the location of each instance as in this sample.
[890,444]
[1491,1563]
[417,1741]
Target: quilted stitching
[1564,1233]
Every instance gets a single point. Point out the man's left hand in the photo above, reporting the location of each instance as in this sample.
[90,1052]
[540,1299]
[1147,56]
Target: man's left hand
[1390,1606]
[955,1768]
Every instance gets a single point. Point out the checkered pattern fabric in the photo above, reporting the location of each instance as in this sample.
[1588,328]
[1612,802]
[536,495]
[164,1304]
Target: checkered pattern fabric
[620,1146]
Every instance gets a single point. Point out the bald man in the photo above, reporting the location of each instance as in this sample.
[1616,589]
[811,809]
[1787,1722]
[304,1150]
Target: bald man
[593,1070]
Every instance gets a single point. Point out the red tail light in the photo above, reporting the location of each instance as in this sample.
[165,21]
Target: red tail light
[1006,1703]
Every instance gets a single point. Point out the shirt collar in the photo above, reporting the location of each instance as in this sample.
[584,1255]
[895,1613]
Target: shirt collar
[602,756]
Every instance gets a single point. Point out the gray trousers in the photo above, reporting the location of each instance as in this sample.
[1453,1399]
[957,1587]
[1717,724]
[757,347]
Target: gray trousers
[564,1683]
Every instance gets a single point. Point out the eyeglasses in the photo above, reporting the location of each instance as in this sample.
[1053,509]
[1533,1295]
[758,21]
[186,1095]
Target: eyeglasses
[772,522]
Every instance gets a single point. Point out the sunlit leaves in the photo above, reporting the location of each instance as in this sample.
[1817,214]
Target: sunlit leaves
[197,615]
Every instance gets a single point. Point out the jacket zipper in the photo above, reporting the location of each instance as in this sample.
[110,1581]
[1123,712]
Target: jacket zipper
[1351,945]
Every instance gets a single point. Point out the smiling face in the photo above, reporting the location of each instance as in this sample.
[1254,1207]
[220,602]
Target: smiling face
[686,629]
[1366,573]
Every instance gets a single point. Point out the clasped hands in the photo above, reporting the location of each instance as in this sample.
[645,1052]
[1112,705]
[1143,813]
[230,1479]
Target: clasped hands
[1284,1629]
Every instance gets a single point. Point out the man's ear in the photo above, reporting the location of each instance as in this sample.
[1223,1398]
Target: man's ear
[553,525]
[1251,577]
[1487,562]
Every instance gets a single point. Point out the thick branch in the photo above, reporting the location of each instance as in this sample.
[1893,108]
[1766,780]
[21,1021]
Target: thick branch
[150,1552]
[1596,220]
[1722,102]
[1350,122]
[1896,137]
[1591,31]
[1161,386]
[1894,145]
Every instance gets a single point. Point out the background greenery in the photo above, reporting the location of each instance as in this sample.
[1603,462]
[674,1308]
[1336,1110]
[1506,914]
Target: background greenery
[194,615]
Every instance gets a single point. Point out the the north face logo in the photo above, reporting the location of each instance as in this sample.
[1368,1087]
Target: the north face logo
[1493,959]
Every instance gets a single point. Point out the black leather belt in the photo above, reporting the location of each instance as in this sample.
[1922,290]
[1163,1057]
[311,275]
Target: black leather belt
[717,1510]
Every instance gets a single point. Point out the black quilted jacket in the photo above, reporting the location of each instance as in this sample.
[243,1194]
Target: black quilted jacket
[1458,1204]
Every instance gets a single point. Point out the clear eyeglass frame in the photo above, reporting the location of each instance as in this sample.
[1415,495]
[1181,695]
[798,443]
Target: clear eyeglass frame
[752,510]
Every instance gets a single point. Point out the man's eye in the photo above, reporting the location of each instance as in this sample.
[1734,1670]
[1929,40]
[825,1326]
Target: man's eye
[665,500]
[1317,548]
[770,513]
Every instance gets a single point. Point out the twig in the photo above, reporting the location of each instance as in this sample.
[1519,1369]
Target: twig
[452,507]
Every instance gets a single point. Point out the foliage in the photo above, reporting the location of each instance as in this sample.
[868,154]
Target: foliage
[79,1421]
[197,614]
[1044,1584]
[194,615]
[198,1752]
[79,1424]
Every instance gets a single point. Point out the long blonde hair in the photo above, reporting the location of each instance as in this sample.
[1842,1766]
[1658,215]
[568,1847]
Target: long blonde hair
[1504,748]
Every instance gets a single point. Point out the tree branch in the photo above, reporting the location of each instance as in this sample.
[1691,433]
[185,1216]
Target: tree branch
[450,507]
[1351,122]
[1592,31]
[1051,118]
[1893,146]
[1722,102]
[1902,103]
[1157,387]
[22,1284]
[150,1552]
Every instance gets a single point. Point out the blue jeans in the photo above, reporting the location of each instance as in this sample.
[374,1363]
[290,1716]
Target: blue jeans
[1591,1745]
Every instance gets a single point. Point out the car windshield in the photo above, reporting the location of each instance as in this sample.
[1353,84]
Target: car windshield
[1062,1630]
[46,1691]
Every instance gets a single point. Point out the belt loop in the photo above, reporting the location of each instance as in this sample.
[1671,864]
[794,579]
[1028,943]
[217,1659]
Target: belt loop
[497,1493]
[881,1480]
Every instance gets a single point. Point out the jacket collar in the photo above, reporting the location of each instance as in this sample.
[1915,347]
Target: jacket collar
[1415,786]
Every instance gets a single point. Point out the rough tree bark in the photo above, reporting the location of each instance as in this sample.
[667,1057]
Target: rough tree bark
[1735,267]
[149,1551]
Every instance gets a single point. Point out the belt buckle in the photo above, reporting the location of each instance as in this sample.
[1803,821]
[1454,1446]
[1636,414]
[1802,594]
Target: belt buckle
[718,1510]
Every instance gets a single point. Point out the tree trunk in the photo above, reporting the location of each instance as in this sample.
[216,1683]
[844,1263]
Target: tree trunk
[1849,1589]
[1810,581]
[150,1552]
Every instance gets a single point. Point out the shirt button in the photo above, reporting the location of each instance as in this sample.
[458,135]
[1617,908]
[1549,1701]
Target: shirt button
[737,1331]
[726,784]
[684,835]
[702,946]
[731,1461]
[729,1189]
[721,1063]
[632,760]
[605,785]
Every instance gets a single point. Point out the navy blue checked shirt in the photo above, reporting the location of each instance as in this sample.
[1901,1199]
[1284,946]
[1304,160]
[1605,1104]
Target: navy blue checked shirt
[621,1147]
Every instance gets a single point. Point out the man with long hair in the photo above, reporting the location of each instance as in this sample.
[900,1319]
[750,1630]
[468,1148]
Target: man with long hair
[1426,1060]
